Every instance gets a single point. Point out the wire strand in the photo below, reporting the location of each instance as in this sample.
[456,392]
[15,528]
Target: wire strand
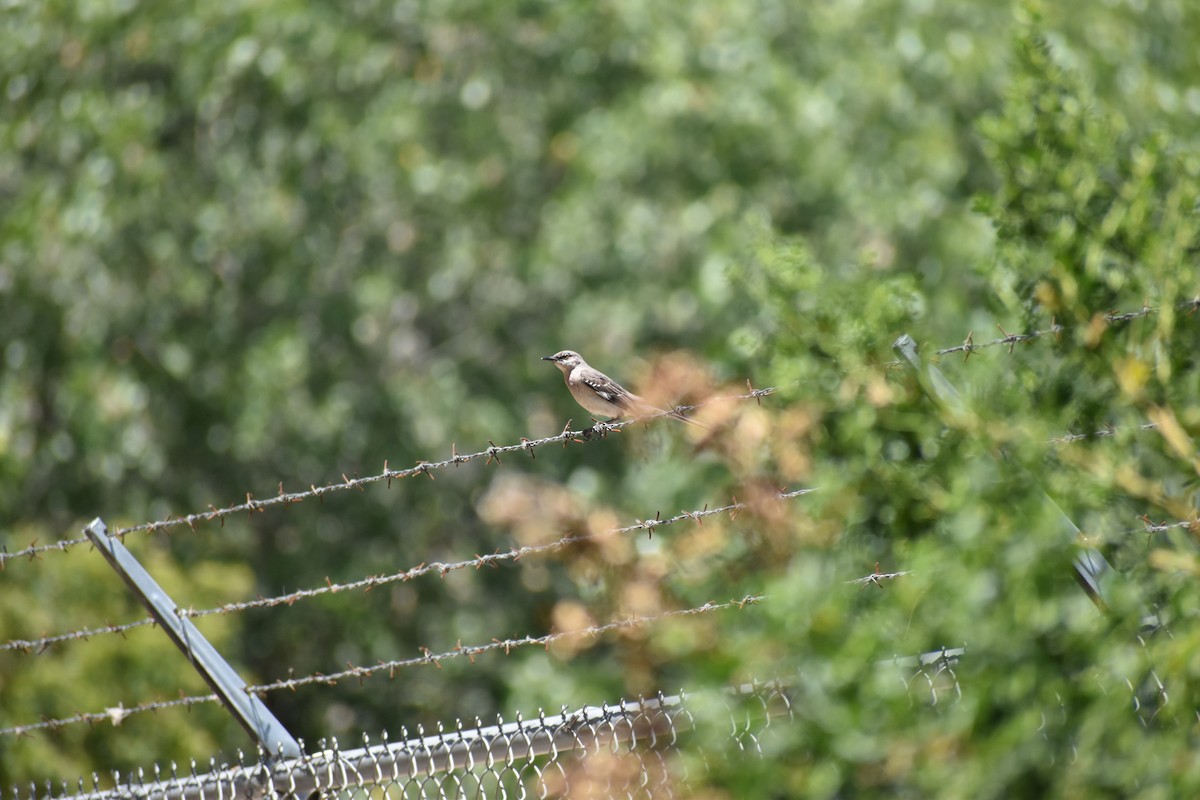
[1010,340]
[1076,437]
[119,713]
[492,453]
[878,577]
[39,645]
[1152,527]
[507,645]
[439,567]
[116,715]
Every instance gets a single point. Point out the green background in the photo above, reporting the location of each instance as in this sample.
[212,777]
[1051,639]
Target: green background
[260,244]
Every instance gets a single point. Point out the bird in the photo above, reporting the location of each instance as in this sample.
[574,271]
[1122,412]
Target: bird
[600,394]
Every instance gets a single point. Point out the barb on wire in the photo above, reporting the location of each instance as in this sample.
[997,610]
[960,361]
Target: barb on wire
[491,454]
[39,645]
[118,714]
[439,567]
[1010,339]
[877,577]
[1153,527]
[34,550]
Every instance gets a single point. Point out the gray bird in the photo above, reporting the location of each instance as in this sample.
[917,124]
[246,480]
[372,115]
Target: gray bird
[601,395]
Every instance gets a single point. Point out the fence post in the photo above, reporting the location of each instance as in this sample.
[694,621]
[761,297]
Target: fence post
[248,710]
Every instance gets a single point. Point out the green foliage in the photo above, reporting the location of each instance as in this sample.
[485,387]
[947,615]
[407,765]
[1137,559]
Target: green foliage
[260,245]
[1085,210]
[1096,212]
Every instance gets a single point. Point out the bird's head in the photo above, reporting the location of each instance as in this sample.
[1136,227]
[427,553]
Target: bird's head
[566,360]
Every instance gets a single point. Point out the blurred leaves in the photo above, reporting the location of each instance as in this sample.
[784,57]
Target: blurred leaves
[264,244]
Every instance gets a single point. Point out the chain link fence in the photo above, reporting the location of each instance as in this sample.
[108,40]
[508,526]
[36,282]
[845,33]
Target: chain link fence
[621,750]
[612,751]
[626,750]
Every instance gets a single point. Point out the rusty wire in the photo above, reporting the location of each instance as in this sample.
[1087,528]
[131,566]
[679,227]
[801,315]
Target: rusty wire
[119,713]
[39,645]
[506,645]
[492,453]
[370,582]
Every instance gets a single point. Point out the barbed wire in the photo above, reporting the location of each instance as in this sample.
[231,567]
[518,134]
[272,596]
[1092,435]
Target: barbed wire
[1149,527]
[878,577]
[119,713]
[492,453]
[1163,527]
[116,715]
[506,645]
[1010,340]
[439,567]
[443,568]
[40,645]
[1075,437]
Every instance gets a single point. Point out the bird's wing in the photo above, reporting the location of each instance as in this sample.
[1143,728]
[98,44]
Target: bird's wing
[607,388]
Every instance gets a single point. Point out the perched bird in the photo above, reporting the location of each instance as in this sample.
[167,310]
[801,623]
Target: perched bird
[600,394]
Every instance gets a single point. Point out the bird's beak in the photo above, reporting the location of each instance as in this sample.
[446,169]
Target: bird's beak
[547,358]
